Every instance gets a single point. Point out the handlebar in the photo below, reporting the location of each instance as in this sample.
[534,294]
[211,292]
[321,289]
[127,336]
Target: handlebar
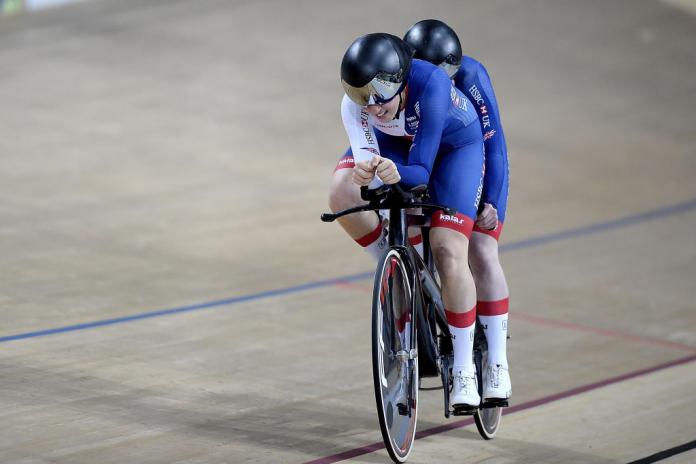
[390,197]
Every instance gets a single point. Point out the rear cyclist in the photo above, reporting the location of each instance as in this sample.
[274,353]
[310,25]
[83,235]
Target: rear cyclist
[408,124]
[436,42]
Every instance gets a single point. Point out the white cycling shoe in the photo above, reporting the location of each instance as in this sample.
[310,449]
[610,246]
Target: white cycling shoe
[496,383]
[465,389]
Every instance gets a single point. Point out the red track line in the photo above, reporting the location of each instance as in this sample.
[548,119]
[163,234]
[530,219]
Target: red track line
[567,325]
[605,332]
[511,410]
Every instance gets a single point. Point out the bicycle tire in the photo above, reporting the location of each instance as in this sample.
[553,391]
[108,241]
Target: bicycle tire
[487,417]
[395,377]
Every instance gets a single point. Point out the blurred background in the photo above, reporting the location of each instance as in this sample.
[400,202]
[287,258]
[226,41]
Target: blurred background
[169,295]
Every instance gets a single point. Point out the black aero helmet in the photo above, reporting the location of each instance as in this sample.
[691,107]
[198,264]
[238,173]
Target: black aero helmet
[375,68]
[436,42]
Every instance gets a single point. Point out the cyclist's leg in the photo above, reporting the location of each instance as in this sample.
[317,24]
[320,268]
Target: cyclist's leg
[415,238]
[492,294]
[492,305]
[458,290]
[456,182]
[488,274]
[365,228]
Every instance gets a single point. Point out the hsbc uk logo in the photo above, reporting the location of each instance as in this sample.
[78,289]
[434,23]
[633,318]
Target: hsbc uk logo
[478,98]
[365,123]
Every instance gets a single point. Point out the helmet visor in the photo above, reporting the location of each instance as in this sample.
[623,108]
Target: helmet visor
[450,69]
[451,64]
[379,90]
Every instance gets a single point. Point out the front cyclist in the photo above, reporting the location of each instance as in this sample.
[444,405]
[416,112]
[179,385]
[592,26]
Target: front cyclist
[436,42]
[408,124]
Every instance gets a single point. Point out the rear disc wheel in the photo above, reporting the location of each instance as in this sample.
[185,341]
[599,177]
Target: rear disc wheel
[487,418]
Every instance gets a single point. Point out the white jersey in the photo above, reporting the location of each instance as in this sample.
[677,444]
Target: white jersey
[360,124]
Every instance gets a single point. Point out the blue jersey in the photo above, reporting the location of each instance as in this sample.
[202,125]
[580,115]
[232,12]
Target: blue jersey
[438,116]
[473,80]
[435,140]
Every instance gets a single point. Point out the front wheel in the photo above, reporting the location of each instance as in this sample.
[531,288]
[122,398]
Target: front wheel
[394,355]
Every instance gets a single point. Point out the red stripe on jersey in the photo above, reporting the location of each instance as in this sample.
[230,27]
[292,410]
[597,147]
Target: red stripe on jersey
[459,222]
[495,233]
[347,162]
[493,308]
[461,320]
[370,238]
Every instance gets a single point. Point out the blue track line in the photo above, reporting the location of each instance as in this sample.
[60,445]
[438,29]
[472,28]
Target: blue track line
[627,221]
[522,244]
[189,308]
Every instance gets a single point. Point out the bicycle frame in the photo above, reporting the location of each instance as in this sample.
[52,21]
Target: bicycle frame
[431,309]
[431,353]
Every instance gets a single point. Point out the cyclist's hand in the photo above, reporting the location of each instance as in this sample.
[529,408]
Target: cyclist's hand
[488,219]
[363,173]
[387,171]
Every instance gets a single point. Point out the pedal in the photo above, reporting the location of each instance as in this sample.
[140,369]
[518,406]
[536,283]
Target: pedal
[495,403]
[464,410]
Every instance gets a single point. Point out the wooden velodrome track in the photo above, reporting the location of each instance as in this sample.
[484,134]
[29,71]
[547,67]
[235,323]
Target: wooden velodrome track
[168,294]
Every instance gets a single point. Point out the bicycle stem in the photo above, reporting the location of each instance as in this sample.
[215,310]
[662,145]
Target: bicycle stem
[398,228]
